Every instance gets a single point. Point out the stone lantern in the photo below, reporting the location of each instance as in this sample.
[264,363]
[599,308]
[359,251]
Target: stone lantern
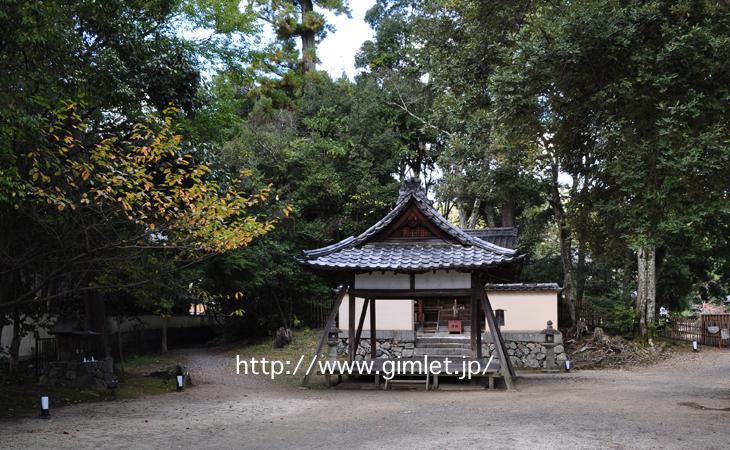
[333,338]
[549,344]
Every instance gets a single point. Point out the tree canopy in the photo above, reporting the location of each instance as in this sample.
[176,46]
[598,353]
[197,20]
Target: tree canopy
[192,146]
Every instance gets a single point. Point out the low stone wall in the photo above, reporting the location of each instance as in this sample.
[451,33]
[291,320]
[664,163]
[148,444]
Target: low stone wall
[528,355]
[92,375]
[523,354]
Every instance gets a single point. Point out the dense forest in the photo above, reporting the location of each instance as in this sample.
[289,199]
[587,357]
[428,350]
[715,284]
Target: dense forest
[157,153]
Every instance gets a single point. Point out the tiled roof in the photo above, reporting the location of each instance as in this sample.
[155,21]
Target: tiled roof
[503,236]
[360,253]
[387,256]
[524,287]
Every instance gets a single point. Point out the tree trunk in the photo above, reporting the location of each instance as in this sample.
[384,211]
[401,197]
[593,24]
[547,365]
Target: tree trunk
[309,50]
[119,343]
[14,350]
[98,317]
[462,214]
[165,320]
[566,260]
[474,213]
[646,287]
[566,257]
[508,213]
[489,215]
[580,282]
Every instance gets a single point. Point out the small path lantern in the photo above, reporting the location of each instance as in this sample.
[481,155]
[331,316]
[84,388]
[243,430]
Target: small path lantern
[45,413]
[180,382]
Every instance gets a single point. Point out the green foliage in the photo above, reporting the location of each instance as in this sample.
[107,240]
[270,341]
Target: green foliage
[613,112]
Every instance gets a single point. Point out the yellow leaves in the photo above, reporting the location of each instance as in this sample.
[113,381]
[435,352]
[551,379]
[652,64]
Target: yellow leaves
[148,180]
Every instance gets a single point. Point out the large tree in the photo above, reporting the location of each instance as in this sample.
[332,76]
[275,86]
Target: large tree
[628,98]
[94,167]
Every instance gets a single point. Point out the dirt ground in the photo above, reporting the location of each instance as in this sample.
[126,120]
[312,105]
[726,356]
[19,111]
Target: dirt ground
[683,402]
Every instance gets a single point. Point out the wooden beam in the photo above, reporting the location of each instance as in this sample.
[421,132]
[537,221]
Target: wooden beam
[373,335]
[505,364]
[328,325]
[394,294]
[499,333]
[361,323]
[351,328]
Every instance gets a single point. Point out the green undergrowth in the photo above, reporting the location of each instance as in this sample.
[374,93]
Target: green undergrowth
[303,347]
[20,397]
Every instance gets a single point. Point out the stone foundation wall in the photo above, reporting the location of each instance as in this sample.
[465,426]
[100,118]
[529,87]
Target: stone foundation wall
[524,354]
[386,349]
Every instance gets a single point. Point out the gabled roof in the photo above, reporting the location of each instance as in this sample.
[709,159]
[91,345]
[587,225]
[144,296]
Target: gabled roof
[366,252]
[524,287]
[502,236]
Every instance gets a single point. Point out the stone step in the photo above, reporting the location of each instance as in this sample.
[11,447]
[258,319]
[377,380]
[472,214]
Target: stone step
[435,352]
[442,339]
[443,345]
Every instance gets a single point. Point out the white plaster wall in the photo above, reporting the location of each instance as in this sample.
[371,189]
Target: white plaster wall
[526,311]
[378,280]
[27,343]
[389,314]
[442,279]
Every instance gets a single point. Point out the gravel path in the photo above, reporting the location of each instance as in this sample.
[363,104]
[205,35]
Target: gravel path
[683,402]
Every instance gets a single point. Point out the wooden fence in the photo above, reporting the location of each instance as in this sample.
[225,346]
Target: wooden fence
[314,313]
[584,311]
[46,351]
[707,330]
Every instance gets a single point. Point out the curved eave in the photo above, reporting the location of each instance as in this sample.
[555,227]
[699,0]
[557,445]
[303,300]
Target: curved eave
[409,259]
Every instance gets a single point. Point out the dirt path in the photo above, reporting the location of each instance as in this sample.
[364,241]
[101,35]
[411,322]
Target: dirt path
[679,403]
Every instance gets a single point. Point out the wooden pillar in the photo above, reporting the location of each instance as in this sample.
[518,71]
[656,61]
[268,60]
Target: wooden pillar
[473,320]
[351,328]
[373,331]
[477,327]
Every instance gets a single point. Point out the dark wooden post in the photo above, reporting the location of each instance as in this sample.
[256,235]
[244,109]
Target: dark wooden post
[351,328]
[473,321]
[361,322]
[373,331]
[504,363]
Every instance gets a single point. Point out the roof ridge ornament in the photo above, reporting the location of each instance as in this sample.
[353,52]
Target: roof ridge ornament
[412,187]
